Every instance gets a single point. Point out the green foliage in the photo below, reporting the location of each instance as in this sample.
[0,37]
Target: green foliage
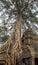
[3,28]
[0,29]
[5,37]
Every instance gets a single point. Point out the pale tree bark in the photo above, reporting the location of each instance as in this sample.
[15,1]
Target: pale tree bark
[17,46]
[16,50]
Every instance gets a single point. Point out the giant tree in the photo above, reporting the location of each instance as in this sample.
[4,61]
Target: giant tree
[24,15]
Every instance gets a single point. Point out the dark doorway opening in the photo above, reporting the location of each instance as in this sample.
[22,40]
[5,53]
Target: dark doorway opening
[2,64]
[23,61]
[26,61]
[36,61]
[17,63]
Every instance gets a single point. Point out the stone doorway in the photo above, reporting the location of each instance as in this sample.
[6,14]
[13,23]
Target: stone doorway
[36,61]
[2,64]
[26,61]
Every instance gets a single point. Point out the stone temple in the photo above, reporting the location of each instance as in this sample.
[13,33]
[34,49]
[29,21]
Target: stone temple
[25,53]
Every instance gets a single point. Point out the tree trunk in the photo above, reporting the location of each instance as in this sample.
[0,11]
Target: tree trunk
[17,46]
